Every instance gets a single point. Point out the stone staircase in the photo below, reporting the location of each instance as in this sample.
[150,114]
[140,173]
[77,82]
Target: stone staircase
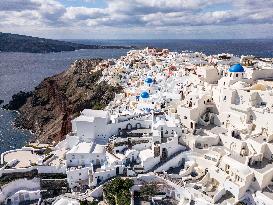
[166,160]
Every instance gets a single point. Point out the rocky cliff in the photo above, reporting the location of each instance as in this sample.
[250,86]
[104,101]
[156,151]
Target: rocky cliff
[21,43]
[48,110]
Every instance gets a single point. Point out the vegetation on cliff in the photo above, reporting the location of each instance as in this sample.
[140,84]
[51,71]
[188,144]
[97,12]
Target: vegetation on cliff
[18,100]
[21,43]
[117,191]
[49,109]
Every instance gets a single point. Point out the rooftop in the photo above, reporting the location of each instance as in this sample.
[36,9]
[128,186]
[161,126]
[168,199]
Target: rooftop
[25,158]
[237,68]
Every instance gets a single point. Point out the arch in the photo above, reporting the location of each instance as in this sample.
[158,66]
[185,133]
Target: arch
[164,154]
[251,118]
[129,126]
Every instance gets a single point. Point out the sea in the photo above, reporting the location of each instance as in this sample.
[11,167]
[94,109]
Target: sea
[24,71]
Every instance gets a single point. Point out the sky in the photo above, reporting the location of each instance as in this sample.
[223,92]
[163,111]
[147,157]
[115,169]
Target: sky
[138,19]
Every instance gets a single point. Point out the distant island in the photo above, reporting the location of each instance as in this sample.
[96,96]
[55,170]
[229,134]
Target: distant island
[28,44]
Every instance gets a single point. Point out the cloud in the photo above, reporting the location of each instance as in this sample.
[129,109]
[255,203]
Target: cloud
[18,5]
[51,12]
[137,15]
[83,13]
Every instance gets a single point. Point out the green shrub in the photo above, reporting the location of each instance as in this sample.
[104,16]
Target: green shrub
[117,192]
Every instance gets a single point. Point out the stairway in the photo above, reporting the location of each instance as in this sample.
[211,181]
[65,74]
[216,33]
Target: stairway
[168,159]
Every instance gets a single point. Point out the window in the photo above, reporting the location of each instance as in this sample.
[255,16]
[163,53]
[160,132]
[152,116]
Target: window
[227,167]
[185,117]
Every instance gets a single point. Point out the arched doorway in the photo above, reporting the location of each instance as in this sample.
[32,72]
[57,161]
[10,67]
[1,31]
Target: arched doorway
[138,125]
[164,155]
[129,126]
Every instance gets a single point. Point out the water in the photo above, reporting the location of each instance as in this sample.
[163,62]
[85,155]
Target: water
[10,137]
[24,71]
[256,47]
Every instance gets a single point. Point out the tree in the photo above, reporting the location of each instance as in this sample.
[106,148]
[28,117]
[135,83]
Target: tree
[85,202]
[117,192]
[148,190]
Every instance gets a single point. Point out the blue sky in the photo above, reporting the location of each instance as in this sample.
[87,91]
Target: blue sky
[134,19]
[85,3]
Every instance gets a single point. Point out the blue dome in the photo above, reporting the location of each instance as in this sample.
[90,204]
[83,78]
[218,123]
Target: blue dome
[148,80]
[144,94]
[237,68]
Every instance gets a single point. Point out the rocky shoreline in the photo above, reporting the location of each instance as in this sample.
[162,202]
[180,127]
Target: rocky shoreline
[48,110]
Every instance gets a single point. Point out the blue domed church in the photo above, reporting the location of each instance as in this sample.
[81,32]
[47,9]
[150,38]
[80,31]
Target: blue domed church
[236,71]
[148,81]
[234,74]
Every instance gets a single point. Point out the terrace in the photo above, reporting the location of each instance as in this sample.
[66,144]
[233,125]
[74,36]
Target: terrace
[134,132]
[268,191]
[209,188]
[263,166]
[25,158]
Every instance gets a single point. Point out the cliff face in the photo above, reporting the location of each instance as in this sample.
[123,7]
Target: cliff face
[51,106]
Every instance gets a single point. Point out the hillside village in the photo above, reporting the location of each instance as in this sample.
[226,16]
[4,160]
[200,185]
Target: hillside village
[200,127]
